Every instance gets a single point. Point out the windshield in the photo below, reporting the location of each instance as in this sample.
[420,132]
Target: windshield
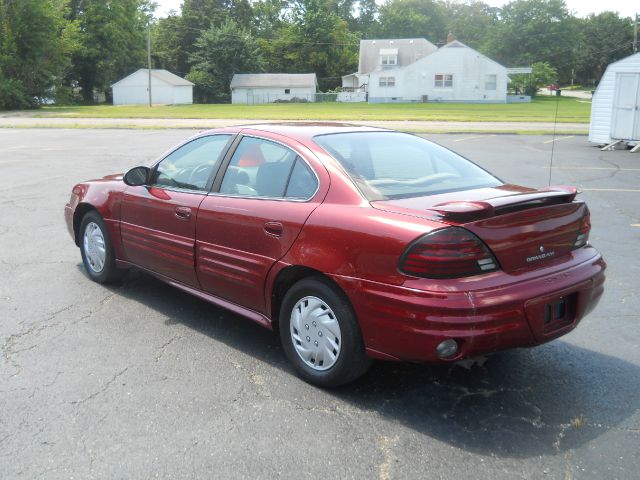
[390,165]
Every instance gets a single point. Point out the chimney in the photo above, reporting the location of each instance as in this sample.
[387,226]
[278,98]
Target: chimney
[451,37]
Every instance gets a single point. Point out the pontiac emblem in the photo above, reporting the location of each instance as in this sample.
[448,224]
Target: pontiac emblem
[543,254]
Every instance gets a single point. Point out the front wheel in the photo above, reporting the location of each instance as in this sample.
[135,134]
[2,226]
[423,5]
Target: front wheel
[320,334]
[96,249]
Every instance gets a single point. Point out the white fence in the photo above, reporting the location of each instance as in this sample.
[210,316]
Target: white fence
[275,98]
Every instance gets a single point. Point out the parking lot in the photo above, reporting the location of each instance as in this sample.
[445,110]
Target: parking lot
[140,380]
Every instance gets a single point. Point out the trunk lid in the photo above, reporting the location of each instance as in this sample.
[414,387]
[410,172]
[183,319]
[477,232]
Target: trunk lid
[524,228]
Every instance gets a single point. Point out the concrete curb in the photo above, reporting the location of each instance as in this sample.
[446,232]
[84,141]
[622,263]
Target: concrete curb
[194,123]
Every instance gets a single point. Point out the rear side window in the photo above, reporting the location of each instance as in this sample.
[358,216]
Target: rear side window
[388,165]
[302,183]
[260,168]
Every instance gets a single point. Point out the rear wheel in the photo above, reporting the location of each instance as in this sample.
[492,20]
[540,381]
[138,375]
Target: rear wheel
[96,249]
[320,334]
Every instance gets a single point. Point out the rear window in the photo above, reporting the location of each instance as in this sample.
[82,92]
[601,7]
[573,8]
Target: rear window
[389,165]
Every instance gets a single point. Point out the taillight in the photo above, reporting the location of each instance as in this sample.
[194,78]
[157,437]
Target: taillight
[448,253]
[585,227]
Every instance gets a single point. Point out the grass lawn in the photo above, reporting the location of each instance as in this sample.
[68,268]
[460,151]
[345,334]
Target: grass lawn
[542,109]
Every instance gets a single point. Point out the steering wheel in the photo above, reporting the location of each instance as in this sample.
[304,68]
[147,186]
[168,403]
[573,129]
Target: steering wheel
[196,171]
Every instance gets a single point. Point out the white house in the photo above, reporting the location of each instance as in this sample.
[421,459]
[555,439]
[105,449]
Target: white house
[414,70]
[615,109]
[255,88]
[166,88]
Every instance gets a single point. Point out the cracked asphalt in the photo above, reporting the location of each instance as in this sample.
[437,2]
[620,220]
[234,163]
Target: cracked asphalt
[140,380]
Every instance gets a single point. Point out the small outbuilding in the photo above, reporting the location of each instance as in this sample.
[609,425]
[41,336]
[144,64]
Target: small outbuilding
[253,88]
[615,109]
[166,88]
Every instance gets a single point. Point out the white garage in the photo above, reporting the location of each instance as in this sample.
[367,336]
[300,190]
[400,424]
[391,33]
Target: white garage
[252,88]
[166,88]
[615,110]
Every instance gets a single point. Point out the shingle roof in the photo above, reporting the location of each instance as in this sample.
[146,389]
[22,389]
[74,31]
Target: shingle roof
[252,80]
[171,78]
[162,75]
[408,50]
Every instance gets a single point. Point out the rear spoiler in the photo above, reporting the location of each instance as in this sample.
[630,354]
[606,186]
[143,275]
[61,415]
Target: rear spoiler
[475,210]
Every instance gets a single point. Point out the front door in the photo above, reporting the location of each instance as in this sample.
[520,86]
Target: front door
[158,221]
[267,193]
[625,124]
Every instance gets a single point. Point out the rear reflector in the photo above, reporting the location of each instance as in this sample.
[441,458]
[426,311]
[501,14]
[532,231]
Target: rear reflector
[452,252]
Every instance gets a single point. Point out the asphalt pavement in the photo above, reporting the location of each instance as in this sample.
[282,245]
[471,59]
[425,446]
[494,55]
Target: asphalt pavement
[140,380]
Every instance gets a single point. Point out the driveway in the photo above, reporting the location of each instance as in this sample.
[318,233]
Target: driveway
[140,380]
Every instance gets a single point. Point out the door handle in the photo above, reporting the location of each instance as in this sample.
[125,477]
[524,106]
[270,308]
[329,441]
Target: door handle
[274,229]
[183,213]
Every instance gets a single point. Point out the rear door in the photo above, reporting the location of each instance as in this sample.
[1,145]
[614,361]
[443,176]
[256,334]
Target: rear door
[256,212]
[158,221]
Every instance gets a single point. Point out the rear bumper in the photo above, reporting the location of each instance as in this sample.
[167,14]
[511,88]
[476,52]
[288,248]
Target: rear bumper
[507,311]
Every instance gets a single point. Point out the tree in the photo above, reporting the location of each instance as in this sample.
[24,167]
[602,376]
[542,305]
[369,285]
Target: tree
[113,42]
[199,16]
[165,51]
[535,31]
[542,74]
[366,23]
[413,18]
[268,18]
[318,40]
[605,38]
[35,46]
[219,53]
[471,21]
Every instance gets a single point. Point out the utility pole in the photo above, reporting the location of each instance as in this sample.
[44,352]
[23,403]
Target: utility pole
[635,35]
[149,57]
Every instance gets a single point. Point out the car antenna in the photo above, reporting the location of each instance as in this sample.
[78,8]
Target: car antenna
[553,140]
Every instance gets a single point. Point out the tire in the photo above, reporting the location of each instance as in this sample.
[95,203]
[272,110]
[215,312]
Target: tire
[320,334]
[96,249]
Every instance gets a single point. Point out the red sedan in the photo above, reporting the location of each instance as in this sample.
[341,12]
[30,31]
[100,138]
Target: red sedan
[354,243]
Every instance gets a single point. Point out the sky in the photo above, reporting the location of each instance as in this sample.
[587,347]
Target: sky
[580,7]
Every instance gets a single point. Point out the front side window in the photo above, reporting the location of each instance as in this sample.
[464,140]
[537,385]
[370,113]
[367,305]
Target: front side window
[490,82]
[388,165]
[387,82]
[191,165]
[443,80]
[261,168]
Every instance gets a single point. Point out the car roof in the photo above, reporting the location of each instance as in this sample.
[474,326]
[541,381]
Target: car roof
[307,130]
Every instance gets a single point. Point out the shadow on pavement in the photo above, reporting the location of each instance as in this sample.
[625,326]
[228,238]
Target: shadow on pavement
[521,403]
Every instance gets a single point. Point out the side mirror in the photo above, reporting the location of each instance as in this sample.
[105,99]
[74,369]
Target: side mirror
[137,176]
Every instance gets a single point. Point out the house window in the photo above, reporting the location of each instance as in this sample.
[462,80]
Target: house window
[287,91]
[444,80]
[387,82]
[388,60]
[490,82]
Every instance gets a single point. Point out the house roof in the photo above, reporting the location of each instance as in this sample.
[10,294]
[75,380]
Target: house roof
[408,50]
[159,74]
[252,80]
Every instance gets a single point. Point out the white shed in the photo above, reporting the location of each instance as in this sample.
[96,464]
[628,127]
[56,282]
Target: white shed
[615,109]
[255,88]
[166,88]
